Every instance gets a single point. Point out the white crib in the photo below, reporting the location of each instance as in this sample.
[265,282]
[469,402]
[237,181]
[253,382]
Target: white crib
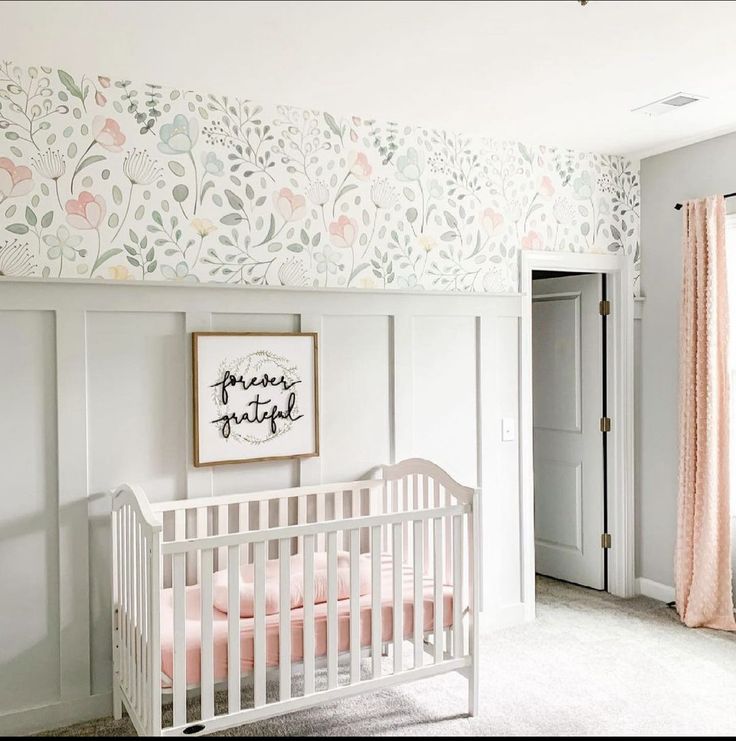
[411,526]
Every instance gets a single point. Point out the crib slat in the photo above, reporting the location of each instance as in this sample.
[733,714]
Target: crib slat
[398,603]
[180,656]
[201,533]
[457,590]
[283,511]
[233,629]
[337,513]
[140,593]
[129,597]
[180,524]
[301,519]
[354,536]
[418,594]
[320,518]
[425,524]
[134,559]
[405,526]
[207,671]
[386,509]
[331,609]
[448,539]
[438,592]
[259,628]
[222,529]
[308,615]
[243,526]
[284,619]
[376,621]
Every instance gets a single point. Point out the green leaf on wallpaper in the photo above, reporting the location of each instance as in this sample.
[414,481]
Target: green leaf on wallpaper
[31,217]
[87,161]
[271,229]
[295,247]
[411,215]
[140,212]
[180,193]
[105,256]
[17,228]
[10,211]
[234,200]
[68,82]
[117,195]
[333,125]
[47,219]
[274,246]
[12,135]
[177,168]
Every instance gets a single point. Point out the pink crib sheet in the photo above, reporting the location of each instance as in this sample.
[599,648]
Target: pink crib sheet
[219,628]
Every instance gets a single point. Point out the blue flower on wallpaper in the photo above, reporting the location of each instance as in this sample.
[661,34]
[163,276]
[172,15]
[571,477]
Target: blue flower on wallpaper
[180,136]
[252,194]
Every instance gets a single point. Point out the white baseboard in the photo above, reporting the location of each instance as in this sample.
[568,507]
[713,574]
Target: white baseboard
[655,590]
[55,715]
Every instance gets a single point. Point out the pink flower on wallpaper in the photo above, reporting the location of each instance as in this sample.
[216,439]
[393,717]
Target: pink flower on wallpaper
[360,167]
[104,81]
[100,99]
[343,231]
[531,241]
[106,132]
[85,212]
[545,187]
[14,180]
[491,220]
[291,207]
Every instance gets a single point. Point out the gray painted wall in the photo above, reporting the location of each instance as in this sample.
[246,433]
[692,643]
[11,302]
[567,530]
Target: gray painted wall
[691,172]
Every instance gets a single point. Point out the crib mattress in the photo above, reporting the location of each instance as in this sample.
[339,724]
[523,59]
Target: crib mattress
[220,630]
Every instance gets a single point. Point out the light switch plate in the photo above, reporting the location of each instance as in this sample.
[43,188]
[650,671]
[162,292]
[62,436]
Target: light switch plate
[508,429]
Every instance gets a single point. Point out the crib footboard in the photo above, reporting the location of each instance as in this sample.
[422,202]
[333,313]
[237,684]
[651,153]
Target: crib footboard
[136,588]
[399,557]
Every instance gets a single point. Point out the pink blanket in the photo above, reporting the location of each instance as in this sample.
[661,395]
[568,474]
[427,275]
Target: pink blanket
[193,635]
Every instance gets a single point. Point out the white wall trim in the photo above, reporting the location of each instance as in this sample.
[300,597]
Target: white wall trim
[621,580]
[655,590]
[56,715]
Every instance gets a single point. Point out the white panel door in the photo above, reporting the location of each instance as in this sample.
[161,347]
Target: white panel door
[568,445]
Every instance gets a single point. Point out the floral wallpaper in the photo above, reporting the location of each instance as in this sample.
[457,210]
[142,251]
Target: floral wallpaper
[116,180]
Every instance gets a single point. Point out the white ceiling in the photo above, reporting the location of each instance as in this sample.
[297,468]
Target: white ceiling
[544,72]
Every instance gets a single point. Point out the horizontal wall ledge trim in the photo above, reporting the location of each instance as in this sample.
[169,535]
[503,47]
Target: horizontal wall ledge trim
[176,285]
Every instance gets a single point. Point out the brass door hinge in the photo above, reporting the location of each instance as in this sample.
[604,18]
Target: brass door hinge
[605,424]
[606,540]
[604,307]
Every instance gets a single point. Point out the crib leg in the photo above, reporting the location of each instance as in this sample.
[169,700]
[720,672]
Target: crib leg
[117,701]
[473,690]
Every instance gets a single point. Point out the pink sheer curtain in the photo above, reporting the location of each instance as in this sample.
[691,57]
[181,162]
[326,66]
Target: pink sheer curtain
[702,557]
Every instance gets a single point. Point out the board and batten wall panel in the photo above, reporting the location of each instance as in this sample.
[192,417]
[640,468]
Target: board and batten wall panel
[29,515]
[355,413]
[136,405]
[445,398]
[122,398]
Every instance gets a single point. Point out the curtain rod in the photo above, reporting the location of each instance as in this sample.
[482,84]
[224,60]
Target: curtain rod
[678,206]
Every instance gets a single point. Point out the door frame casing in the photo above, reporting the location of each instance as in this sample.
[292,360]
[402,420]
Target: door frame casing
[620,390]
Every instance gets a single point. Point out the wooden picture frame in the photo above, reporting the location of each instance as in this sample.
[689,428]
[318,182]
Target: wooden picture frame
[240,367]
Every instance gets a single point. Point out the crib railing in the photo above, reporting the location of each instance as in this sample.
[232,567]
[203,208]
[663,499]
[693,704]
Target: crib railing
[413,512]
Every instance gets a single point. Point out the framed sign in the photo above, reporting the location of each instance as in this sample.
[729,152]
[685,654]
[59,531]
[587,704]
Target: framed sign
[255,396]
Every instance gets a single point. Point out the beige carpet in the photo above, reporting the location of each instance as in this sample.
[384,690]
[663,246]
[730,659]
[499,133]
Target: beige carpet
[590,665]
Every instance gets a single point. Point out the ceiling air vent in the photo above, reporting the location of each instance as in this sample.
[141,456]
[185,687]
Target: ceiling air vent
[668,104]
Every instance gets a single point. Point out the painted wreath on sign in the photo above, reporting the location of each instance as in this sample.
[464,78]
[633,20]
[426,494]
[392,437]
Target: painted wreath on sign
[272,405]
